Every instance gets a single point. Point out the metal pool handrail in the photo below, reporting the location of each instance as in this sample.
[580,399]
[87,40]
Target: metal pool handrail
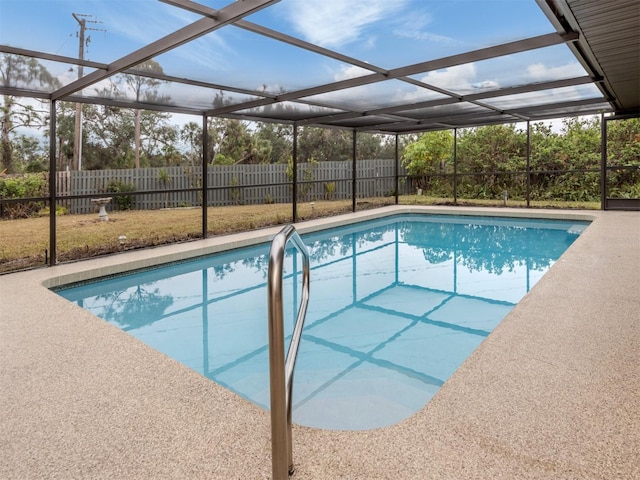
[281,370]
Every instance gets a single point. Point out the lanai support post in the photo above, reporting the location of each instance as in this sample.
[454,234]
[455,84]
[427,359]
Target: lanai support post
[455,166]
[294,215]
[397,168]
[603,162]
[205,175]
[353,173]
[53,177]
[528,164]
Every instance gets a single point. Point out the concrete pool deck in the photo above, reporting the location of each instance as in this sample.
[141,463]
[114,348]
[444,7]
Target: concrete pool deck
[552,393]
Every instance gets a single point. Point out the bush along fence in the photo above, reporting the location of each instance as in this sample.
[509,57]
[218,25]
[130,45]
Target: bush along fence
[173,187]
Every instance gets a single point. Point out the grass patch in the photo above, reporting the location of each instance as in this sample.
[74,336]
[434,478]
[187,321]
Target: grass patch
[464,202]
[25,241]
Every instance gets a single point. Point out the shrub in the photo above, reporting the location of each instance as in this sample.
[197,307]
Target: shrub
[122,202]
[22,186]
[329,190]
[60,210]
[308,175]
[235,192]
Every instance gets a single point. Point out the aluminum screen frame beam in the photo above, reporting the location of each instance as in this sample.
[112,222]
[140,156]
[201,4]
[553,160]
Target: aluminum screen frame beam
[519,46]
[378,72]
[131,71]
[275,35]
[201,27]
[561,17]
[448,101]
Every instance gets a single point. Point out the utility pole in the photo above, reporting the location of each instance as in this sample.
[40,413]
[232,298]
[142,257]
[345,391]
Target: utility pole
[77,144]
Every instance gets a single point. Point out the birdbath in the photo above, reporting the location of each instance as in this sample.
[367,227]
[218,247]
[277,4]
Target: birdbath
[102,202]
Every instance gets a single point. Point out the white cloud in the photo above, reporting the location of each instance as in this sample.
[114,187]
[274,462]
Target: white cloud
[414,27]
[424,36]
[158,22]
[414,95]
[546,97]
[540,72]
[350,71]
[460,78]
[333,23]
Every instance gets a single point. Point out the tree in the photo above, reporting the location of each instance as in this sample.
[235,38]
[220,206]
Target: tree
[236,139]
[581,142]
[31,152]
[546,148]
[110,131]
[493,148]
[65,133]
[191,135]
[280,137]
[368,146]
[113,136]
[430,155]
[495,151]
[623,142]
[258,151]
[547,156]
[623,152]
[324,144]
[16,70]
[230,139]
[144,89]
[156,139]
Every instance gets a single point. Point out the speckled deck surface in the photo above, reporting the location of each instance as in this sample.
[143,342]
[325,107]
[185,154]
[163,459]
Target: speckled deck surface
[552,393]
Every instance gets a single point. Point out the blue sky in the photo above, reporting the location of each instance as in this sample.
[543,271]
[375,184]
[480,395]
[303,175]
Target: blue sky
[386,33]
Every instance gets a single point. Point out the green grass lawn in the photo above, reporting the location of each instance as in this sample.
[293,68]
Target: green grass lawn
[24,241]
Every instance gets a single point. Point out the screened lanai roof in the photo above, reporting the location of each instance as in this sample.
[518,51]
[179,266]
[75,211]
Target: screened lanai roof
[391,66]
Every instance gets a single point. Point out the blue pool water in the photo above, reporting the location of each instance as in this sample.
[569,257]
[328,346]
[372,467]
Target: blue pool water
[396,306]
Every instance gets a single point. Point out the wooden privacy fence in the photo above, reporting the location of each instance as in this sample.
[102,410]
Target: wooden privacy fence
[228,184]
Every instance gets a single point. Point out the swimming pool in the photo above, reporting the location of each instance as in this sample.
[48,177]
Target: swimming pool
[396,305]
